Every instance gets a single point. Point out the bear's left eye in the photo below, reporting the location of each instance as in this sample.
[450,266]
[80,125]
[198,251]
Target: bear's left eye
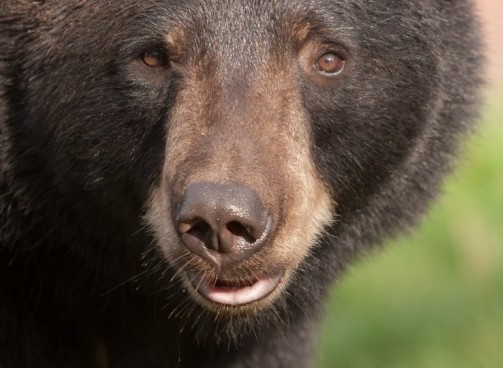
[329,64]
[153,58]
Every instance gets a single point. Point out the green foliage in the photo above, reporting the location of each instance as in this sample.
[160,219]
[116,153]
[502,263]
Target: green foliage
[434,300]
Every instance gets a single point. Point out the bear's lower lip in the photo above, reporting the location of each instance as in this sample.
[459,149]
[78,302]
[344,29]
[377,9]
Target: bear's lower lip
[235,294]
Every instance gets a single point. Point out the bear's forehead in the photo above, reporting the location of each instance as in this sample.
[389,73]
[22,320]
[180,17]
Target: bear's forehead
[236,31]
[232,29]
[227,21]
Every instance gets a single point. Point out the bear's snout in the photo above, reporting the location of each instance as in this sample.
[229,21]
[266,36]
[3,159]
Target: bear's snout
[223,223]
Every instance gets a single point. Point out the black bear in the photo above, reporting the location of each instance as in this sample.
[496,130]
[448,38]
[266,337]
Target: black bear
[182,180]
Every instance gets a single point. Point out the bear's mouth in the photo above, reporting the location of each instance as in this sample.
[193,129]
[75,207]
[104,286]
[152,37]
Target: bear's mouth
[235,293]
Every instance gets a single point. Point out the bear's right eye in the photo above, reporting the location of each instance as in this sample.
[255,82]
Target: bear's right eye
[153,59]
[330,64]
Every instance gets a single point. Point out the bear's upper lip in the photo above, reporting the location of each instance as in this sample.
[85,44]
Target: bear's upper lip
[235,293]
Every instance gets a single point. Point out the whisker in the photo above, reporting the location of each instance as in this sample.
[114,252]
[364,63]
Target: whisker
[143,273]
[180,270]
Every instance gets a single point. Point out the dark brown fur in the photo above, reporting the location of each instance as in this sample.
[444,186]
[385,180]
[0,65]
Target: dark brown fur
[97,152]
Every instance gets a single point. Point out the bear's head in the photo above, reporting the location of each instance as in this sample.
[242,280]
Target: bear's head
[240,151]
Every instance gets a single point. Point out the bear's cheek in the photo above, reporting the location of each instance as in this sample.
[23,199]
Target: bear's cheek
[257,143]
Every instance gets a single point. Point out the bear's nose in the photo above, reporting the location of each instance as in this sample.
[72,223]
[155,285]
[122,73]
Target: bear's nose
[223,223]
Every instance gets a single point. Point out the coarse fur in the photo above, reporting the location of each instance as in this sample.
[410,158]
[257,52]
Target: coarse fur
[97,150]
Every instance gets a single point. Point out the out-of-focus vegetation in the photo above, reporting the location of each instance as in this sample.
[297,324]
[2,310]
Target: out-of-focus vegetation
[433,300]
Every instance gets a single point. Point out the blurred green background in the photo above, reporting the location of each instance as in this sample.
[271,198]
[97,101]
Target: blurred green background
[435,299]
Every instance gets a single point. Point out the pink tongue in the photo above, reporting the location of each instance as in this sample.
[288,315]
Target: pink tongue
[235,295]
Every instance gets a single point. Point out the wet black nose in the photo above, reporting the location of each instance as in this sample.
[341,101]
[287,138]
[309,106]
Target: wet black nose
[223,223]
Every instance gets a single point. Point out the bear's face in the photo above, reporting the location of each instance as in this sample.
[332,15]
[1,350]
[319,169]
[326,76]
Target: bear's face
[238,132]
[240,202]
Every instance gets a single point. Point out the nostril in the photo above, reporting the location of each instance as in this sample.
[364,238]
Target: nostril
[239,230]
[199,229]
[197,234]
